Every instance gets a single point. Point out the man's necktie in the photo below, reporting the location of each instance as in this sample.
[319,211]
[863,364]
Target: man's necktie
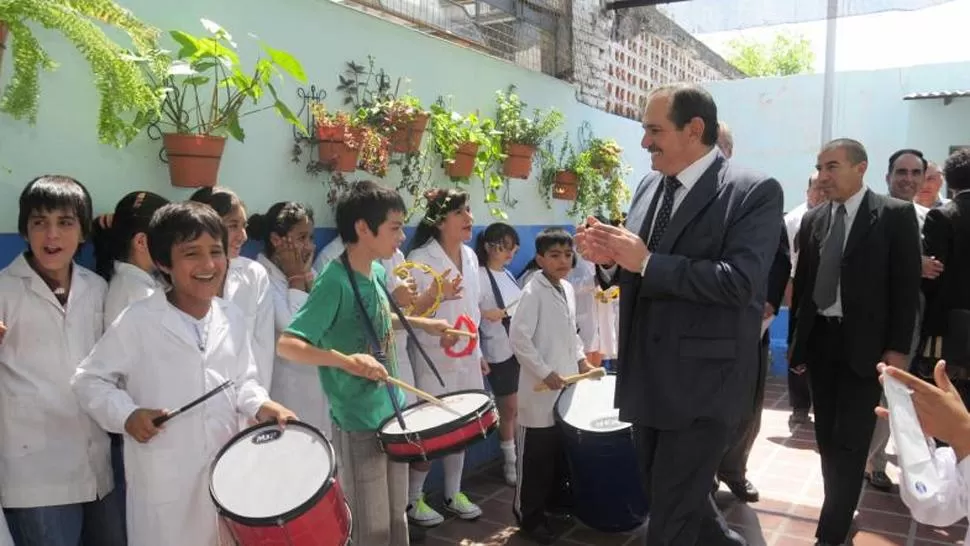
[830,263]
[671,184]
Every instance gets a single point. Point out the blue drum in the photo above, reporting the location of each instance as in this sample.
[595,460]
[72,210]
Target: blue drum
[605,479]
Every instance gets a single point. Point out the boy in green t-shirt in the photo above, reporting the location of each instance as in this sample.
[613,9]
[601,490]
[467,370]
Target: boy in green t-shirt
[327,332]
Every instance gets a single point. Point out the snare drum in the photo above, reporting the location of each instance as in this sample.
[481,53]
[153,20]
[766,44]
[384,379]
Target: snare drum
[433,432]
[276,487]
[604,475]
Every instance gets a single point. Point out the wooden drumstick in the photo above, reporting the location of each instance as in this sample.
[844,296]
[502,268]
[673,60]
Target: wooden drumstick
[461,333]
[430,398]
[595,373]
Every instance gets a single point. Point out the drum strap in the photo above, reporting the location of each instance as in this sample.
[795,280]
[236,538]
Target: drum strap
[506,321]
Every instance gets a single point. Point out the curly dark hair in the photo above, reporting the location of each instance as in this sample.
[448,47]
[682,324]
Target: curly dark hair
[956,170]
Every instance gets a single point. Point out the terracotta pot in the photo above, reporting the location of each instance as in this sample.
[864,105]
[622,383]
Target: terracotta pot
[4,29]
[408,139]
[193,160]
[565,186]
[464,162]
[518,164]
[333,150]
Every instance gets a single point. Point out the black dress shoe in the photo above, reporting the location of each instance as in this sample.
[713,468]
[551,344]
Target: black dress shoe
[541,534]
[744,491]
[880,481]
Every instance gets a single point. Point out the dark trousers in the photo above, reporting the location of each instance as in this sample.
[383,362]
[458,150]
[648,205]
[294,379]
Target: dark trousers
[677,467]
[799,392]
[543,484]
[844,421]
[734,465]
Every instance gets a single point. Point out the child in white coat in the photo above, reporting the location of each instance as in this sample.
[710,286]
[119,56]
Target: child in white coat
[247,282]
[286,231]
[545,342]
[168,350]
[56,483]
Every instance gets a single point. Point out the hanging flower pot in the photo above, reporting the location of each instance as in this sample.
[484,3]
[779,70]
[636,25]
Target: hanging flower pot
[518,164]
[334,150]
[407,140]
[565,186]
[4,29]
[464,162]
[193,160]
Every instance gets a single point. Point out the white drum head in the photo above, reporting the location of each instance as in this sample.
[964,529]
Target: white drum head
[427,416]
[588,405]
[264,476]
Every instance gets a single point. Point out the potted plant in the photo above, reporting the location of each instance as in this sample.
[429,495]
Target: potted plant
[128,99]
[206,88]
[605,155]
[457,138]
[564,173]
[335,138]
[579,177]
[521,136]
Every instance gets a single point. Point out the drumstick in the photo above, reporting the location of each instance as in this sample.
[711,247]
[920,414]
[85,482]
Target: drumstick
[461,333]
[430,398]
[158,421]
[595,373]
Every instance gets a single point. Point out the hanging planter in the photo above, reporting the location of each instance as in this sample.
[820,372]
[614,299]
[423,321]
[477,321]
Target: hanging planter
[4,29]
[464,162]
[335,152]
[518,164]
[565,186]
[193,160]
[407,139]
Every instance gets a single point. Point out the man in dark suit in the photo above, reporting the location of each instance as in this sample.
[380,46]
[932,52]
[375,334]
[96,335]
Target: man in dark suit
[854,303]
[946,236]
[692,266]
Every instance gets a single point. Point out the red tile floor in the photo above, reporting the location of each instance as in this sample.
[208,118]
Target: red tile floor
[783,466]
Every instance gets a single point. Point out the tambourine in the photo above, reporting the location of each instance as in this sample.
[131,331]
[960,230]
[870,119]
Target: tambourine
[403,272]
[465,324]
[609,295]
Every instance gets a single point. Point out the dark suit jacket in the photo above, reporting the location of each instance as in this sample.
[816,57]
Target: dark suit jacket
[880,281]
[689,328]
[946,236]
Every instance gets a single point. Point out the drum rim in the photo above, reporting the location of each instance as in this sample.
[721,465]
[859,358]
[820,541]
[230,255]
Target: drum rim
[443,428]
[565,424]
[457,448]
[289,515]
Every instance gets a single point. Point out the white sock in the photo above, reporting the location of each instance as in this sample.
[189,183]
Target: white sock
[415,485]
[508,451]
[454,464]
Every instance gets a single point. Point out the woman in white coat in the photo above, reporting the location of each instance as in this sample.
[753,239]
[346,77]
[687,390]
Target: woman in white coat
[286,231]
[247,282]
[439,242]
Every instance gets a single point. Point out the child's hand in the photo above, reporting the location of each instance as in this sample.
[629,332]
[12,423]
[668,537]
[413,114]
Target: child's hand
[452,288]
[494,315]
[554,381]
[486,369]
[139,424]
[3,331]
[447,341]
[434,327]
[366,366]
[595,358]
[274,411]
[585,366]
[403,295]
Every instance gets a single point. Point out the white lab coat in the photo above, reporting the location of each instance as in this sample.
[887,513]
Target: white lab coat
[544,338]
[457,373]
[129,284]
[247,286]
[51,452]
[583,279]
[153,350]
[493,339]
[607,327]
[331,252]
[952,503]
[296,386]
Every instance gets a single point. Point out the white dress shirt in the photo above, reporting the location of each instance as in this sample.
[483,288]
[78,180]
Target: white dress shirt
[793,222]
[852,205]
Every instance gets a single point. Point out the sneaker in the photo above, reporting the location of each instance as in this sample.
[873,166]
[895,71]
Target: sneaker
[511,476]
[422,515]
[462,507]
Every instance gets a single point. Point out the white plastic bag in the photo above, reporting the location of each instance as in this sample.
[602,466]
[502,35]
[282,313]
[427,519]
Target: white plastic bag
[914,449]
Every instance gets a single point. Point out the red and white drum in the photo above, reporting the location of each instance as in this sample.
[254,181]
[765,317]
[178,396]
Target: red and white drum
[433,432]
[278,487]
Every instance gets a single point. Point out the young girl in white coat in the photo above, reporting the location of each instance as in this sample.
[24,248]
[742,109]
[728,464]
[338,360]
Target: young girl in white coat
[121,257]
[195,343]
[247,282]
[439,242]
[286,231]
[56,483]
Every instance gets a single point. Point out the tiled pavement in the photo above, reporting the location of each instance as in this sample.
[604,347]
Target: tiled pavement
[783,466]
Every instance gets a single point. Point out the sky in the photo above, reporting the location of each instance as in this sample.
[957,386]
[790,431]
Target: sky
[891,39]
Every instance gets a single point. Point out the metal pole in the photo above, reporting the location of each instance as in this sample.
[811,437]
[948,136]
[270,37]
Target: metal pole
[829,85]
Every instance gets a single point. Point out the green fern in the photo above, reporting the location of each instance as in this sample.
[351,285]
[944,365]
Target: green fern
[128,100]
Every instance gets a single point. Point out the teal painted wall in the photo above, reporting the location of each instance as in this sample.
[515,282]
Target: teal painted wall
[323,35]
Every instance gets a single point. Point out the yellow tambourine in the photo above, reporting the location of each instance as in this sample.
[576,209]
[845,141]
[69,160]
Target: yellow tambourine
[609,295]
[403,272]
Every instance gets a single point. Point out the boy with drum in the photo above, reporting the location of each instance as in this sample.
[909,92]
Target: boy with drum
[546,312]
[328,332]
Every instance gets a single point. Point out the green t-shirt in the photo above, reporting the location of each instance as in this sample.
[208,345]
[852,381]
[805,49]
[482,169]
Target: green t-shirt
[330,319]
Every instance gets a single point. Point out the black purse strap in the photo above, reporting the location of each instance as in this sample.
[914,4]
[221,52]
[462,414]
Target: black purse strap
[506,321]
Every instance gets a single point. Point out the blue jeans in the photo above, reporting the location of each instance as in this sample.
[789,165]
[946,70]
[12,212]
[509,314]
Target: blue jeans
[96,523]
